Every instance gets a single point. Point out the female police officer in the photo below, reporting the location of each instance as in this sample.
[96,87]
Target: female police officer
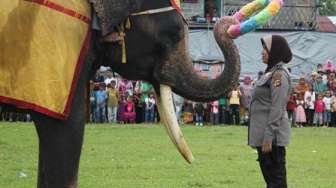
[269,129]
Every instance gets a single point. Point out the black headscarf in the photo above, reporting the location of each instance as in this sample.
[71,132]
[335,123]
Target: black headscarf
[278,50]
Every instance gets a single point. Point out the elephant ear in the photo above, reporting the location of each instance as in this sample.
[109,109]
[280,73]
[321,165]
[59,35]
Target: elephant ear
[111,13]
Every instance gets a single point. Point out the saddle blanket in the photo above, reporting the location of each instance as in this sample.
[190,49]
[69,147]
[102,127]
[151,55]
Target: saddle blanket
[43,44]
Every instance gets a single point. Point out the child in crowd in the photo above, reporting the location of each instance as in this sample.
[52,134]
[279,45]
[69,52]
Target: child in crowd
[291,106]
[300,116]
[129,114]
[309,98]
[94,87]
[122,87]
[121,109]
[150,107]
[327,110]
[100,98]
[112,102]
[319,109]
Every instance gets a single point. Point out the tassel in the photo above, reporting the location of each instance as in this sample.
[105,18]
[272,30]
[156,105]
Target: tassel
[121,28]
[128,23]
[123,46]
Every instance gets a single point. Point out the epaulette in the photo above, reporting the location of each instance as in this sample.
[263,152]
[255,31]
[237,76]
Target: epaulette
[276,79]
[277,76]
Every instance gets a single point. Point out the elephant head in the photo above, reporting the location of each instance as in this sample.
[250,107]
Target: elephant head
[157,51]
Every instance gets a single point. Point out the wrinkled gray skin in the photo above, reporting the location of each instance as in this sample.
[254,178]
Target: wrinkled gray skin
[156,52]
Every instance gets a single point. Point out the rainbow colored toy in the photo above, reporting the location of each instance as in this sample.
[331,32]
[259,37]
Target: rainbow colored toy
[268,9]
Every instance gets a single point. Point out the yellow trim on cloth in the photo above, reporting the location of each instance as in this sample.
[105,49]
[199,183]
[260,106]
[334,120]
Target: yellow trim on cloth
[40,47]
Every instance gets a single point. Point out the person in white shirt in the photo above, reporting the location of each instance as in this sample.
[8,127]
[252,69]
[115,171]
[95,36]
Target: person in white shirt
[109,78]
[150,109]
[309,99]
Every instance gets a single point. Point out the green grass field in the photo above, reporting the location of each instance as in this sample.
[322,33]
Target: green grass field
[142,157]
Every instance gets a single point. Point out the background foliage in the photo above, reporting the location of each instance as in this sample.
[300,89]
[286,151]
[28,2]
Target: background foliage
[328,7]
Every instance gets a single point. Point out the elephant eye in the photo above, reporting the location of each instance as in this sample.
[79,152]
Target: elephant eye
[173,34]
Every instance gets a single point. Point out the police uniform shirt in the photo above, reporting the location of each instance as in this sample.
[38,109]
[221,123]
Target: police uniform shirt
[268,114]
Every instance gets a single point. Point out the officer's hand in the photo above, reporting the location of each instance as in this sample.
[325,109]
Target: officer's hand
[266,147]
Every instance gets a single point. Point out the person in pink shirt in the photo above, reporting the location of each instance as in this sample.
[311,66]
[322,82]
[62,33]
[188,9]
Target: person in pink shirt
[122,87]
[121,109]
[291,106]
[245,98]
[129,114]
[328,67]
[319,109]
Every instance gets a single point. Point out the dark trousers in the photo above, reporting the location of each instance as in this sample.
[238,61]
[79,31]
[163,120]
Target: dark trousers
[214,118]
[224,117]
[310,116]
[139,116]
[333,119]
[222,114]
[235,113]
[291,116]
[273,167]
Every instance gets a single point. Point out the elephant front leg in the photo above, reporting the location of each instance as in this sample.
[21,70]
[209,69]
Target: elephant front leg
[60,148]
[60,144]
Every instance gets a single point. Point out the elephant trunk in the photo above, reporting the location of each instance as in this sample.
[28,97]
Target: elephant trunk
[179,74]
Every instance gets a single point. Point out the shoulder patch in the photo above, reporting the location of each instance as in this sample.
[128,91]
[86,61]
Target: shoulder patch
[276,79]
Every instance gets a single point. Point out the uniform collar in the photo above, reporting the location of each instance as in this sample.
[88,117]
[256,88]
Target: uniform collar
[278,66]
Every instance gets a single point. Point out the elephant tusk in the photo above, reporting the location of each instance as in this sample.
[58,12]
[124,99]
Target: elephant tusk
[167,114]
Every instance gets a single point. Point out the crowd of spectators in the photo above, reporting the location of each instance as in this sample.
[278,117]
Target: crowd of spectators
[116,100]
[14,115]
[313,100]
[311,103]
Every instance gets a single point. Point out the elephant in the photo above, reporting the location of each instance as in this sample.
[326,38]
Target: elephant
[157,52]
